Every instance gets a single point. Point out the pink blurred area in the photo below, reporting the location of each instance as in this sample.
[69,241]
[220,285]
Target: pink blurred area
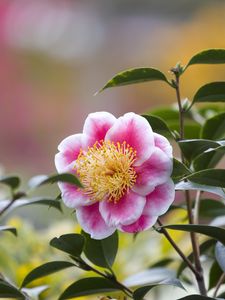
[55,54]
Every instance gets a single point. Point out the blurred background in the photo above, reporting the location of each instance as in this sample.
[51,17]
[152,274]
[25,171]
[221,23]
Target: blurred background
[54,55]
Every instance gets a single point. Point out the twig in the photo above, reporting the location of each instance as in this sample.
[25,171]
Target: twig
[178,250]
[220,281]
[195,245]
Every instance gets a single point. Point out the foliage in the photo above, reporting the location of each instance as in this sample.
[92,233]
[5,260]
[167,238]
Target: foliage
[199,180]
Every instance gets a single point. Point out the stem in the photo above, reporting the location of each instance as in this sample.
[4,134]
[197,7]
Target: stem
[220,281]
[7,206]
[196,208]
[178,250]
[194,241]
[126,290]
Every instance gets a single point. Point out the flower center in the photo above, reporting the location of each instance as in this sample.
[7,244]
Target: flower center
[106,170]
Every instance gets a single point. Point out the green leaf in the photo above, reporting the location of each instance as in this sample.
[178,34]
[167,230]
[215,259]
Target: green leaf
[209,56]
[196,297]
[162,263]
[158,125]
[142,291]
[203,248]
[214,275]
[63,177]
[71,243]
[12,181]
[211,92]
[46,269]
[9,291]
[132,76]
[191,128]
[212,231]
[40,201]
[214,128]
[9,228]
[187,185]
[212,177]
[220,255]
[89,286]
[149,276]
[101,252]
[179,169]
[210,208]
[194,147]
[209,158]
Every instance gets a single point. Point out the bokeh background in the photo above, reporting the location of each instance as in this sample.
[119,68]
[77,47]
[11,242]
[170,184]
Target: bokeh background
[54,55]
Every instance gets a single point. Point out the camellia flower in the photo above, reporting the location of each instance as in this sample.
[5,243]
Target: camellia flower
[125,169]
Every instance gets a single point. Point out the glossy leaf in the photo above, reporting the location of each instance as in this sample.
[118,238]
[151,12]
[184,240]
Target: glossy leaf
[211,177]
[89,286]
[187,185]
[101,252]
[220,255]
[72,243]
[179,169]
[212,231]
[142,291]
[158,125]
[194,147]
[196,297]
[209,56]
[35,292]
[214,128]
[211,208]
[149,276]
[9,228]
[209,158]
[63,177]
[41,201]
[214,275]
[133,76]
[46,269]
[211,92]
[9,291]
[12,181]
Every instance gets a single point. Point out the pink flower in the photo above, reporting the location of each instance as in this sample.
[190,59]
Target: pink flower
[125,168]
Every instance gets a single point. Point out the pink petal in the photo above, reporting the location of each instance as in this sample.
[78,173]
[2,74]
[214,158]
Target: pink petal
[97,124]
[162,143]
[159,201]
[135,131]
[92,222]
[143,223]
[69,150]
[156,170]
[126,211]
[72,196]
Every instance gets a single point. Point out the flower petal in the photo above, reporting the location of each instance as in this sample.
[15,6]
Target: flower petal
[126,211]
[156,170]
[69,150]
[92,222]
[72,196]
[135,131]
[159,201]
[143,223]
[162,143]
[97,124]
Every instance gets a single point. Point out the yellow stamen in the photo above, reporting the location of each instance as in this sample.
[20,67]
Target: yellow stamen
[106,170]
